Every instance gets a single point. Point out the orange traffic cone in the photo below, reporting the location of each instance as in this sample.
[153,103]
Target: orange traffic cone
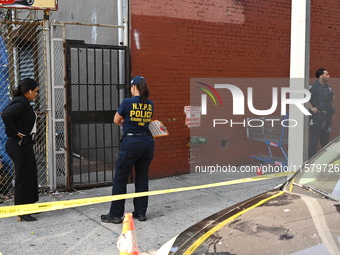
[127,243]
[259,170]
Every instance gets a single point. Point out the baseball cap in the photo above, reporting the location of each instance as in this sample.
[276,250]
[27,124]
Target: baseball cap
[136,80]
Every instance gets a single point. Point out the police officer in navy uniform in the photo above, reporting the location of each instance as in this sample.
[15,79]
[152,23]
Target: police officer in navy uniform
[136,150]
[19,119]
[322,111]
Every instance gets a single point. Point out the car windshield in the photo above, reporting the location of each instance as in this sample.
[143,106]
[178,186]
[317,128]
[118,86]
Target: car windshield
[321,174]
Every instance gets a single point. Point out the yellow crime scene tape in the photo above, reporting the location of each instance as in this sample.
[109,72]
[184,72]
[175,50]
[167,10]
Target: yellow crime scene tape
[14,210]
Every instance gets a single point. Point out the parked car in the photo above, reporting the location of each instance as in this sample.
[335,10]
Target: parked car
[302,216]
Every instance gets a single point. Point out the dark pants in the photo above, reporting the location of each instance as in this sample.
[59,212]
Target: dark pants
[26,176]
[320,131]
[134,151]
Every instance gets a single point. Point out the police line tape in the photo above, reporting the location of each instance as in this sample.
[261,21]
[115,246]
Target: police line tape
[14,210]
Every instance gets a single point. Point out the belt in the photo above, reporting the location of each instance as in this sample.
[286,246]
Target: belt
[137,134]
[25,139]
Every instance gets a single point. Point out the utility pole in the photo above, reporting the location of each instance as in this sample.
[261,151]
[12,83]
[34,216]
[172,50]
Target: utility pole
[299,79]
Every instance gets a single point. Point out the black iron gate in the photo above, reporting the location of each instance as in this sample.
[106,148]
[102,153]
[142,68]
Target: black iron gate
[97,77]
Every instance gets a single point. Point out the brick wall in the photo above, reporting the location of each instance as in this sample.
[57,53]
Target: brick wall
[174,41]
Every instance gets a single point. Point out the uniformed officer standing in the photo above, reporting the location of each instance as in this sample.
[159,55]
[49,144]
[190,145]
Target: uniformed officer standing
[322,111]
[136,149]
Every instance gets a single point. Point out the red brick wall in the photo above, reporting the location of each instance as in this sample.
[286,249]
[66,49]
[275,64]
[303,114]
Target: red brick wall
[174,41]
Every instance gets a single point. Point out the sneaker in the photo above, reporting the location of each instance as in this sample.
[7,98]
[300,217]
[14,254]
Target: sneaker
[139,217]
[108,219]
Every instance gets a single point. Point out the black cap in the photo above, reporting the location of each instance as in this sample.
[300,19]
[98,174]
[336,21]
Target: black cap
[136,80]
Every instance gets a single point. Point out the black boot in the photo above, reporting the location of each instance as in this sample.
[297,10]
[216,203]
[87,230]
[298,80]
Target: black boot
[26,217]
[108,219]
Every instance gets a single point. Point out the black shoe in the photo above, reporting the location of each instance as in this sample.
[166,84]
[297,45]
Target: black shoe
[139,217]
[26,217]
[108,219]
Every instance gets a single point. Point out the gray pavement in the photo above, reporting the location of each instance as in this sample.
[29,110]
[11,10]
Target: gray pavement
[80,231]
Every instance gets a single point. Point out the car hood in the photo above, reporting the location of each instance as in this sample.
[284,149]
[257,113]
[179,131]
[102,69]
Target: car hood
[275,222]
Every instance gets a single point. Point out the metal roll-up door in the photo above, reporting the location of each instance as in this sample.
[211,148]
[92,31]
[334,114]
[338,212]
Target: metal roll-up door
[26,62]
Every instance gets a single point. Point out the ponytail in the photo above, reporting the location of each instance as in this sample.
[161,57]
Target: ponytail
[143,89]
[24,86]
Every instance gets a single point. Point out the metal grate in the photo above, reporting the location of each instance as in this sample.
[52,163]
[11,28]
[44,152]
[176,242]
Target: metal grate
[97,75]
[85,140]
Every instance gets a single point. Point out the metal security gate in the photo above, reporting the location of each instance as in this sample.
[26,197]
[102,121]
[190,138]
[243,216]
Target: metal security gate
[96,80]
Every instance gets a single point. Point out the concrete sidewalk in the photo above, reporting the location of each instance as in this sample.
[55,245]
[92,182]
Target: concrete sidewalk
[80,231]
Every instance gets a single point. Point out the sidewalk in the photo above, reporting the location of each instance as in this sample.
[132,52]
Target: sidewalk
[80,231]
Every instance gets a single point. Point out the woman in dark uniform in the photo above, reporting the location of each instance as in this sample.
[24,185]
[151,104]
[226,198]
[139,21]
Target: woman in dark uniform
[136,149]
[19,119]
